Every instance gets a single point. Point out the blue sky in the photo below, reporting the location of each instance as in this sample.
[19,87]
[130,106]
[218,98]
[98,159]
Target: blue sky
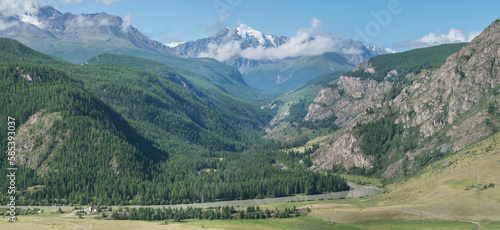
[401,24]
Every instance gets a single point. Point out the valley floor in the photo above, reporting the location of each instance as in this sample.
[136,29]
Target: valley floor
[436,199]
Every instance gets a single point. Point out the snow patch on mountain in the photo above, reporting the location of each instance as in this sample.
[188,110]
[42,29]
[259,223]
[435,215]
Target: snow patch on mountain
[31,20]
[173,44]
[379,50]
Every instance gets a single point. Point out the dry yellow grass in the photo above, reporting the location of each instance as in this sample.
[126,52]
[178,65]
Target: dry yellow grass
[318,140]
[59,222]
[437,194]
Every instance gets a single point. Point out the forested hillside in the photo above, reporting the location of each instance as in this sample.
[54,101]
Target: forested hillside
[61,129]
[161,110]
[413,61]
[75,118]
[240,113]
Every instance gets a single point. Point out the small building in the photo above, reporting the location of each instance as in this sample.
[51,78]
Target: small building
[92,209]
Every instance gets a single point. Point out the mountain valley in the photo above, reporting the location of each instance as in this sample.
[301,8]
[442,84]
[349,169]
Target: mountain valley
[106,117]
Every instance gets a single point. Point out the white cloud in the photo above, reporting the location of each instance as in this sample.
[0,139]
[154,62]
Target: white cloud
[24,10]
[106,2]
[471,35]
[81,21]
[126,23]
[104,22]
[433,39]
[19,7]
[72,1]
[223,52]
[308,41]
[6,25]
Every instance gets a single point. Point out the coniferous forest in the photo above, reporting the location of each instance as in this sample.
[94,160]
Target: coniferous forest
[118,135]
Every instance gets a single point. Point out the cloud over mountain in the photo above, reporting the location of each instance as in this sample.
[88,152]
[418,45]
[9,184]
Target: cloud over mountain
[308,41]
[433,39]
[126,23]
[105,2]
[23,9]
[10,8]
[81,21]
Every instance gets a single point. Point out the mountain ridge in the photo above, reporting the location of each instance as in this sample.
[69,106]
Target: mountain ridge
[419,118]
[287,74]
[244,37]
[78,37]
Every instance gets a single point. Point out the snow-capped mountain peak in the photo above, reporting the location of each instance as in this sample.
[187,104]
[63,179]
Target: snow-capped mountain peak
[389,50]
[379,50]
[246,32]
[256,38]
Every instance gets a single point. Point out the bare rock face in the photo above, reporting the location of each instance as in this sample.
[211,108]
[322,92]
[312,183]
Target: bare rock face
[393,168]
[352,97]
[343,149]
[438,98]
[453,98]
[349,102]
[365,66]
[33,142]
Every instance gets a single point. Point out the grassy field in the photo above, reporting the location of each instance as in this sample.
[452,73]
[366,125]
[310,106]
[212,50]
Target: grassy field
[436,199]
[56,221]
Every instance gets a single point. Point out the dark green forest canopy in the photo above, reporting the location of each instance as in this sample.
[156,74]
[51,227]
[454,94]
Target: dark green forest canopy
[412,61]
[240,113]
[127,136]
[160,110]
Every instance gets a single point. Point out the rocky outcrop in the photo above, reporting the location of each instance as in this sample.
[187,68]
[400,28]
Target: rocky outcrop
[343,149]
[365,66]
[438,98]
[351,97]
[445,109]
[33,142]
[349,102]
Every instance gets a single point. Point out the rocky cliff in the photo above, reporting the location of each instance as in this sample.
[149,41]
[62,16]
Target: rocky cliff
[351,97]
[440,110]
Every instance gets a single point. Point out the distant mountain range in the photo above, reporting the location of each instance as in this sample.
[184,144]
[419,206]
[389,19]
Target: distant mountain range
[242,36]
[78,37]
[246,37]
[269,74]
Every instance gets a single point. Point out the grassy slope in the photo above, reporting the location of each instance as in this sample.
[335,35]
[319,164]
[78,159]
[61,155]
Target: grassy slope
[296,72]
[310,89]
[438,193]
[227,76]
[306,92]
[412,61]
[77,51]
